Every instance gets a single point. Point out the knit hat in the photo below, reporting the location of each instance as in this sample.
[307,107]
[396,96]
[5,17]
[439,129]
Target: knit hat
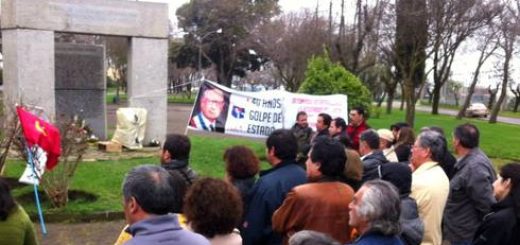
[386,134]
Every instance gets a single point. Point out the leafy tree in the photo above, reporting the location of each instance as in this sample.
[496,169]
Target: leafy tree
[324,77]
[218,33]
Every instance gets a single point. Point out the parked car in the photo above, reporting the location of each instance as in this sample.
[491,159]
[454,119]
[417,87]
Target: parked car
[477,110]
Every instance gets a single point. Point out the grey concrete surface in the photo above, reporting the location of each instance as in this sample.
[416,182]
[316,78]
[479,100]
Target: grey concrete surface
[114,17]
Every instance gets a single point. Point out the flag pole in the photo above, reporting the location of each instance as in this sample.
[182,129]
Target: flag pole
[35,187]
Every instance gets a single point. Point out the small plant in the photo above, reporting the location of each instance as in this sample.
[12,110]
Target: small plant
[55,183]
[74,142]
[9,132]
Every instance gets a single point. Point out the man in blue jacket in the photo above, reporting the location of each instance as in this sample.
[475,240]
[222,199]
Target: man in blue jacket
[271,188]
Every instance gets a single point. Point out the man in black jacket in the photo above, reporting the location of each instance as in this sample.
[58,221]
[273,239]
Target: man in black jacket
[371,156]
[175,156]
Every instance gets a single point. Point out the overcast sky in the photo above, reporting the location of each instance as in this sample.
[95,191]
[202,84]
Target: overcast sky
[463,66]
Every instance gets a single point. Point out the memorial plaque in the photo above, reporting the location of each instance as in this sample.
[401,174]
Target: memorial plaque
[80,84]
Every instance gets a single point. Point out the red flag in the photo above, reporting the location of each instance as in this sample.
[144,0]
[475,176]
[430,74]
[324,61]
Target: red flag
[41,133]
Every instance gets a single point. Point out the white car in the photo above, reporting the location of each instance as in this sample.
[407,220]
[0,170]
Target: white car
[477,110]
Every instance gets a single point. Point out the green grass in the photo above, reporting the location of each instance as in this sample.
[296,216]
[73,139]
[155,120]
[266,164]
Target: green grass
[180,99]
[498,140]
[172,98]
[104,178]
[453,107]
[509,114]
[443,106]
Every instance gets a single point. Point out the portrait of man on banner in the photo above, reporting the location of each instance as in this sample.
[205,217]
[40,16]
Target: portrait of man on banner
[211,109]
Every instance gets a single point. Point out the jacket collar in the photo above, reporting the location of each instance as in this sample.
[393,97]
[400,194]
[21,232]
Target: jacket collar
[363,124]
[175,164]
[425,167]
[280,165]
[154,224]
[462,161]
[506,203]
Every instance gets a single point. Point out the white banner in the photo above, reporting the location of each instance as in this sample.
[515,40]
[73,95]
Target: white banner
[33,176]
[257,114]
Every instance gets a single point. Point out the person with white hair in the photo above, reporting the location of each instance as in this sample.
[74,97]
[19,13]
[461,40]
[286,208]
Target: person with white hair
[374,213]
[430,185]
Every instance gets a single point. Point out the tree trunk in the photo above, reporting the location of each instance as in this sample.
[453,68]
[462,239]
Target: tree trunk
[409,94]
[401,107]
[59,197]
[389,102]
[517,103]
[436,99]
[492,98]
[505,79]
[117,98]
[381,100]
[482,59]
[224,78]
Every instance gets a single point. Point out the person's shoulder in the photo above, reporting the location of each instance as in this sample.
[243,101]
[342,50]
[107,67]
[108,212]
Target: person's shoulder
[291,171]
[283,174]
[502,218]
[364,125]
[378,239]
[193,238]
[320,188]
[19,214]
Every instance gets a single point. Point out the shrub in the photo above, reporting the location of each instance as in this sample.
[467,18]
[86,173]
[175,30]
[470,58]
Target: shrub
[323,77]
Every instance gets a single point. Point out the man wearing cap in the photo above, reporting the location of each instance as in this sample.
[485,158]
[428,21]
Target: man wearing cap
[386,138]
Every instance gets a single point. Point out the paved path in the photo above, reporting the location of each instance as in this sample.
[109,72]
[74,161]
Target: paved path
[451,112]
[82,233]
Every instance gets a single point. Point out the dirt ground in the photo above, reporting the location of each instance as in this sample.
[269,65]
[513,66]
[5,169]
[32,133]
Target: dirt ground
[82,233]
[105,232]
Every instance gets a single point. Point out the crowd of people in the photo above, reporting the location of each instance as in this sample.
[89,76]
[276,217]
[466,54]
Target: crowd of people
[343,184]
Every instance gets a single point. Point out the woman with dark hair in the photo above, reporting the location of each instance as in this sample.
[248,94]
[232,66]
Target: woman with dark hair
[15,225]
[213,209]
[502,224]
[405,141]
[242,166]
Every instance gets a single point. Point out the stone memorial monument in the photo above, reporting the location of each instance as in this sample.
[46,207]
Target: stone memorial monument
[80,85]
[28,28]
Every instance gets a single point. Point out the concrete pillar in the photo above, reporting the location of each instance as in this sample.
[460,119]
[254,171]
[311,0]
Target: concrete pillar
[29,69]
[147,83]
